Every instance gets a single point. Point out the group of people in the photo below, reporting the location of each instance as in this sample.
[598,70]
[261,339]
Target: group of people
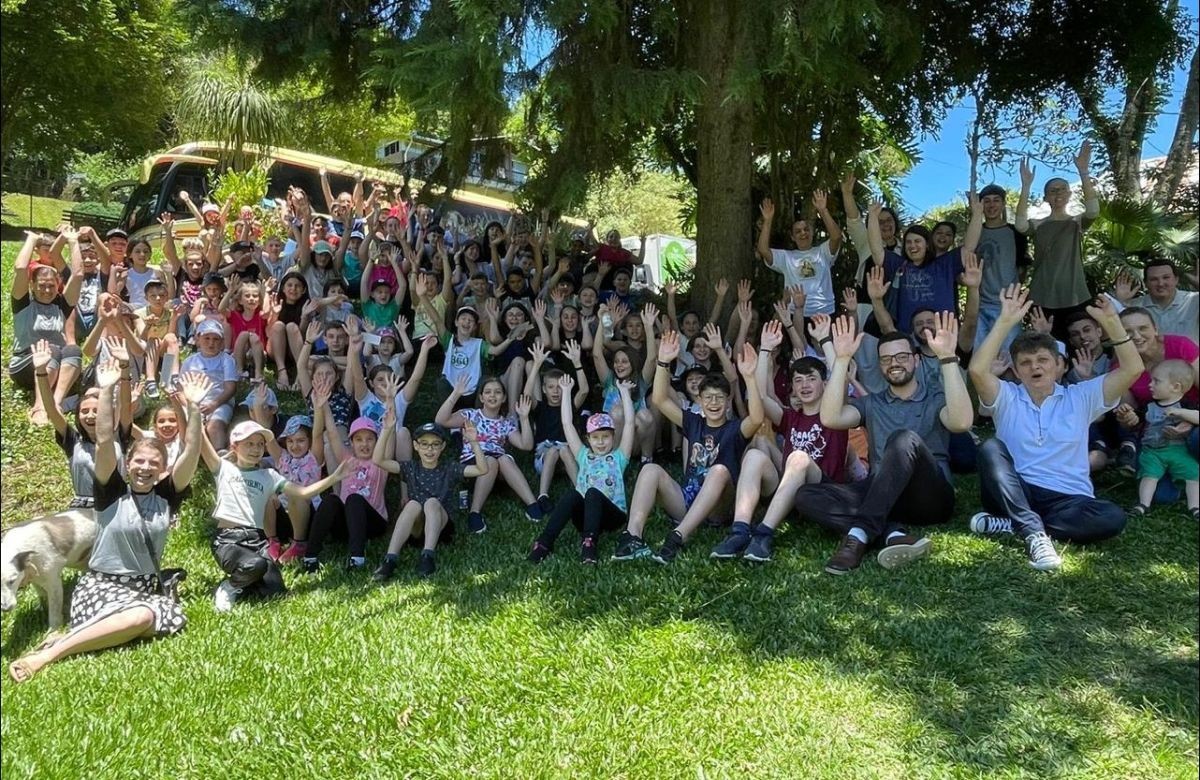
[849,411]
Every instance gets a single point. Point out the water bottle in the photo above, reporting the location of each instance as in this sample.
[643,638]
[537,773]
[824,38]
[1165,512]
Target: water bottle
[463,499]
[607,321]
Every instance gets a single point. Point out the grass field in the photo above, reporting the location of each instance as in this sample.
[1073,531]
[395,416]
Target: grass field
[968,664]
[46,213]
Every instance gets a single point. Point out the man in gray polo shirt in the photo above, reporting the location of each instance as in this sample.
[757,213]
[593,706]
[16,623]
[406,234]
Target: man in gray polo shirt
[1033,476]
[1176,311]
[908,430]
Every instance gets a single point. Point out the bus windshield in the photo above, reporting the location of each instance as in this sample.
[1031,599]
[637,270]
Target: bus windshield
[161,193]
[141,208]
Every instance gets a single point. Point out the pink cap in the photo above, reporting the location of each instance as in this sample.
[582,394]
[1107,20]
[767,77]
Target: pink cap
[363,424]
[600,422]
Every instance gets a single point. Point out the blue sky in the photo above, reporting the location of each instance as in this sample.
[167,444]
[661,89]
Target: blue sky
[945,169]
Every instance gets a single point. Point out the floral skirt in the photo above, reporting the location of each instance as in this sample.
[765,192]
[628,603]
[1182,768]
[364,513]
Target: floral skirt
[99,595]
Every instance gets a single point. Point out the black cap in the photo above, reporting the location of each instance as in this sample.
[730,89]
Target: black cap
[431,429]
[116,233]
[212,277]
[241,246]
[992,189]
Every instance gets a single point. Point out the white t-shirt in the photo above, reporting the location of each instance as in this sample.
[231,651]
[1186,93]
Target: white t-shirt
[809,269]
[220,369]
[135,285]
[242,495]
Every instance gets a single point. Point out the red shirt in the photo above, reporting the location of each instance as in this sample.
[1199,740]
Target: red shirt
[1174,348]
[238,324]
[616,256]
[825,446]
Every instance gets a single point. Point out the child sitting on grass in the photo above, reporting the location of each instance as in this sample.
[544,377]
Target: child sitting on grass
[715,445]
[247,324]
[432,488]
[496,429]
[550,441]
[1170,381]
[243,489]
[213,361]
[597,503]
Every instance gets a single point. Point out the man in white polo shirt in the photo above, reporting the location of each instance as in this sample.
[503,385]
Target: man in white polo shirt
[1033,476]
[1176,311]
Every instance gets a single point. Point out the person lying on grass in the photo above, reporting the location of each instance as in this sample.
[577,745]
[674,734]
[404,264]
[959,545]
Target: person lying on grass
[597,503]
[812,453]
[715,445]
[120,599]
[244,486]
[1034,475]
[497,429]
[432,487]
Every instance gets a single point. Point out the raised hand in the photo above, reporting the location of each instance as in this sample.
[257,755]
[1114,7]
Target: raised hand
[745,311]
[539,309]
[668,346]
[649,315]
[573,352]
[972,275]
[115,346]
[567,383]
[1014,304]
[402,324]
[619,312]
[557,297]
[108,373]
[712,336]
[1001,363]
[322,389]
[460,384]
[848,183]
[874,208]
[670,288]
[799,298]
[744,291]
[783,313]
[747,360]
[1084,158]
[973,202]
[625,388]
[1039,321]
[491,308]
[944,340]
[470,432]
[818,327]
[429,342]
[767,208]
[195,386]
[391,388]
[42,355]
[313,331]
[820,200]
[538,353]
[1027,173]
[523,406]
[850,300]
[1084,363]
[772,335]
[845,341]
[721,288]
[1126,286]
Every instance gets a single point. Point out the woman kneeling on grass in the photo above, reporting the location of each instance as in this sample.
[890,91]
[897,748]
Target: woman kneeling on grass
[120,598]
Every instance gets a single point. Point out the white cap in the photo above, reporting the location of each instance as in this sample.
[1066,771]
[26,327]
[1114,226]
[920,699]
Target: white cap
[245,429]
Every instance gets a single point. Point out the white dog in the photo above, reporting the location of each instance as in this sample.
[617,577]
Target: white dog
[37,551]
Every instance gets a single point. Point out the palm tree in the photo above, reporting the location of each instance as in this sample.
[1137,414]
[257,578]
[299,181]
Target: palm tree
[230,108]
[1129,231]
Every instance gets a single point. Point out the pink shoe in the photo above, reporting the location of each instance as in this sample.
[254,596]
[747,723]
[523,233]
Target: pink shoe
[294,552]
[274,550]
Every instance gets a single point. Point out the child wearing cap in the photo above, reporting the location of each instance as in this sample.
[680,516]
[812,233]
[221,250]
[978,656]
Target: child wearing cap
[213,361]
[318,264]
[358,508]
[464,351]
[550,440]
[380,298]
[243,489]
[432,486]
[394,350]
[597,503]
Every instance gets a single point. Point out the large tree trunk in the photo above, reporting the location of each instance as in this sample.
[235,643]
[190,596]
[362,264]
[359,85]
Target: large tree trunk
[724,159]
[1180,154]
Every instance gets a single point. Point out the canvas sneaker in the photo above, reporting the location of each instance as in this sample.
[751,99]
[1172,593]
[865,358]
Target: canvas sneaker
[990,525]
[225,596]
[903,549]
[1042,555]
[294,552]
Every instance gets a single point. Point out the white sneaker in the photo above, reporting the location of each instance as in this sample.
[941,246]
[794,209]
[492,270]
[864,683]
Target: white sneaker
[1042,555]
[225,596]
[990,525]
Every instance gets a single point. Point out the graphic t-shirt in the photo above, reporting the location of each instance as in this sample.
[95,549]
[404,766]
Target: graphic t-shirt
[932,285]
[826,446]
[440,482]
[367,480]
[493,433]
[242,494]
[808,269]
[303,471]
[605,473]
[708,447]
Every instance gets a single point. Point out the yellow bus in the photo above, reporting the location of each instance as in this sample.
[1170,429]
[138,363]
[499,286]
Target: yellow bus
[192,168]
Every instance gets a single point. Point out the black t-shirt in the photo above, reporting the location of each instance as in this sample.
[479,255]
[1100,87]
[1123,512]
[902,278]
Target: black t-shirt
[547,423]
[708,447]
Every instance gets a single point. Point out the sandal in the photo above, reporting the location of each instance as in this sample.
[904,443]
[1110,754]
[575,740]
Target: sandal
[151,389]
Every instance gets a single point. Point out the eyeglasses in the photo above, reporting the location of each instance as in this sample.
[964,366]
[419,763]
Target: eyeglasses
[429,445]
[713,398]
[898,359]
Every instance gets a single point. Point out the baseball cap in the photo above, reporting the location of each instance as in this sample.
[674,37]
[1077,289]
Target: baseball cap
[363,424]
[212,277]
[431,429]
[467,310]
[245,429]
[295,423]
[357,234]
[153,281]
[322,246]
[387,333]
[600,422]
[241,246]
[209,207]
[210,328]
[992,189]
[116,233]
[578,235]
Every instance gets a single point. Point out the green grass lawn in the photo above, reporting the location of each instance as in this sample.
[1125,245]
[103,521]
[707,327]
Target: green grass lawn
[968,664]
[46,213]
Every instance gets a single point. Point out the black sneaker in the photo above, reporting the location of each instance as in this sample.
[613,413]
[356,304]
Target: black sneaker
[533,512]
[427,564]
[759,550]
[630,547]
[544,502]
[1127,459]
[310,565]
[385,570]
[670,548]
[475,523]
[587,551]
[732,546]
[353,565]
[539,553]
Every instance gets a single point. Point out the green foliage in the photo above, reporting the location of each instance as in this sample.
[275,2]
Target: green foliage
[636,204]
[97,171]
[246,188]
[1128,232]
[86,76]
[228,106]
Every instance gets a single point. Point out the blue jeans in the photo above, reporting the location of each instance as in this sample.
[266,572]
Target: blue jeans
[1167,491]
[988,314]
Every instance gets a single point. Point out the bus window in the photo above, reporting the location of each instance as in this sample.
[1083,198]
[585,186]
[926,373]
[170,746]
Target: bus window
[284,175]
[192,179]
[140,209]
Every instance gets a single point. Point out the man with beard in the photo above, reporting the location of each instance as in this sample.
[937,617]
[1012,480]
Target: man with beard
[1034,478]
[908,428]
